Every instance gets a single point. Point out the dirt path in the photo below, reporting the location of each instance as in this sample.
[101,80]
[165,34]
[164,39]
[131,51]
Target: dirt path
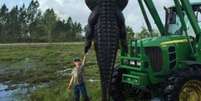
[41,44]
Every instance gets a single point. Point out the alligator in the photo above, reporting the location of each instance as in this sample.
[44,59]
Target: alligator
[106,28]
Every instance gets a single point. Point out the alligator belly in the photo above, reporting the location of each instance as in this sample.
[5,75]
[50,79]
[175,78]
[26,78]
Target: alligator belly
[106,45]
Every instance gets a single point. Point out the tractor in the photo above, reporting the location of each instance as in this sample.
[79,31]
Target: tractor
[168,66]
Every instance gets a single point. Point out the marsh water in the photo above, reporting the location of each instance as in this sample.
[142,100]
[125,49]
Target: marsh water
[16,83]
[13,88]
[17,92]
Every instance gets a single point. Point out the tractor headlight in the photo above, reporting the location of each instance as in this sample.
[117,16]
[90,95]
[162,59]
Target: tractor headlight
[126,62]
[139,63]
[132,62]
[135,63]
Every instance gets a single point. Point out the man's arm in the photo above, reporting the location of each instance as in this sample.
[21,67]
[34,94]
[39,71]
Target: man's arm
[70,83]
[84,60]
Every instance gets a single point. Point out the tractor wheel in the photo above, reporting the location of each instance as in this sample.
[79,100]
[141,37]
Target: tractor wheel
[116,91]
[184,85]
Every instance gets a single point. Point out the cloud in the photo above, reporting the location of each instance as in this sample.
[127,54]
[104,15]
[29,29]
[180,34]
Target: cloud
[134,15]
[65,8]
[11,3]
[79,12]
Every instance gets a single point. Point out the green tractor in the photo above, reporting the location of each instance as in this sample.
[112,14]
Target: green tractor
[169,66]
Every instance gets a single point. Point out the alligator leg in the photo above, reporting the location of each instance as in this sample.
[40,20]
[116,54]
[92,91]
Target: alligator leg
[90,29]
[122,33]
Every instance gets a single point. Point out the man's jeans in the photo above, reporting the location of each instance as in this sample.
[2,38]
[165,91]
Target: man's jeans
[80,88]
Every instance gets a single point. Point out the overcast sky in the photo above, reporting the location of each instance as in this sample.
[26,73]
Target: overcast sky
[79,12]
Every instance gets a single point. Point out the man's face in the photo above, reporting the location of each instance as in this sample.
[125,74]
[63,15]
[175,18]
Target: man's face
[77,63]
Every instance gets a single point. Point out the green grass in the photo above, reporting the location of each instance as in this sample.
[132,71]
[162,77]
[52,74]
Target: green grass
[37,64]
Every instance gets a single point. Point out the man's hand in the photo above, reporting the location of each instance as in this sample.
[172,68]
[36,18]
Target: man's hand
[70,84]
[84,59]
[69,87]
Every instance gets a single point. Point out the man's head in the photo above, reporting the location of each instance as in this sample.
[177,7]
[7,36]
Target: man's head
[77,62]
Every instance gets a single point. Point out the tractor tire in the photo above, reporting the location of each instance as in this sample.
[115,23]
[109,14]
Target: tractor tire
[116,90]
[183,85]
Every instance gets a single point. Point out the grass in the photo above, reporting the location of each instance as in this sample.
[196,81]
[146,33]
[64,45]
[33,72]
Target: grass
[35,65]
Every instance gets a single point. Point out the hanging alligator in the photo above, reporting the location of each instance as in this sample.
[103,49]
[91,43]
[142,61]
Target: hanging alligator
[106,28]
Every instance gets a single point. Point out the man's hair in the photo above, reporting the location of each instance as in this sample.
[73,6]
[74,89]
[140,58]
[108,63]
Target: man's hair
[77,59]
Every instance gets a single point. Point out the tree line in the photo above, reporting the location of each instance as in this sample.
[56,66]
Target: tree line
[144,33]
[29,24]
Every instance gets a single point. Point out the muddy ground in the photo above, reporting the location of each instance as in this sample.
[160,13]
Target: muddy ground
[40,72]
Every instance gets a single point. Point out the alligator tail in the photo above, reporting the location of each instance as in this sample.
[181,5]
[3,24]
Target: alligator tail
[106,44]
[106,28]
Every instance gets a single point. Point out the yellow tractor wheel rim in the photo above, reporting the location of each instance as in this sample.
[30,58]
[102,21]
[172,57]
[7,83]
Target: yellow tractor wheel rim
[191,91]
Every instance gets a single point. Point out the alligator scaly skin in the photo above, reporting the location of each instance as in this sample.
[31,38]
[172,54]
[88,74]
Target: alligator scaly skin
[106,44]
[106,28]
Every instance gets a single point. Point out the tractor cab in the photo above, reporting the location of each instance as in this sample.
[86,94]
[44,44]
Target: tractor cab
[173,23]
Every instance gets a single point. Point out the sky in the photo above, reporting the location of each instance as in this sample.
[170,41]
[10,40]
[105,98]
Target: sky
[79,11]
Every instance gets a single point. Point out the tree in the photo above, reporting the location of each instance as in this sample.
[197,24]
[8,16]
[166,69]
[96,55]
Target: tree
[13,25]
[32,14]
[69,28]
[49,19]
[32,11]
[60,30]
[76,31]
[29,24]
[23,31]
[143,34]
[130,32]
[3,22]
[37,29]
[69,23]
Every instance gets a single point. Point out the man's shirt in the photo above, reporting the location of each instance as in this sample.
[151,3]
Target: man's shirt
[78,74]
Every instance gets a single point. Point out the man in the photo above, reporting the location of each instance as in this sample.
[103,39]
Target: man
[77,80]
